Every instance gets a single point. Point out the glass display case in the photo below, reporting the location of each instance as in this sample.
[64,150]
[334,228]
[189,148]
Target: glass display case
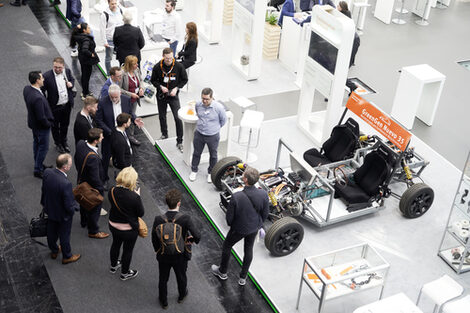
[343,272]
[455,245]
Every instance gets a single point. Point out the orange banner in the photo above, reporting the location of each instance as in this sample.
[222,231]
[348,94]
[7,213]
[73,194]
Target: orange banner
[379,121]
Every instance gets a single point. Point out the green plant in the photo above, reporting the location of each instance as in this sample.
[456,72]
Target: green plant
[271,18]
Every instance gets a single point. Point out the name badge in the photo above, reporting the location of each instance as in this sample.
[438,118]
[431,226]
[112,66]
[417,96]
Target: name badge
[172,78]
[165,79]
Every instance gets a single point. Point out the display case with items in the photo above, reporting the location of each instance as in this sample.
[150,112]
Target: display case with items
[149,89]
[455,244]
[343,272]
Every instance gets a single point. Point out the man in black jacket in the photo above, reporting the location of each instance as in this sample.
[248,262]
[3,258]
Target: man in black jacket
[179,262]
[58,90]
[91,172]
[121,149]
[59,205]
[246,214]
[39,119]
[128,39]
[169,77]
[85,119]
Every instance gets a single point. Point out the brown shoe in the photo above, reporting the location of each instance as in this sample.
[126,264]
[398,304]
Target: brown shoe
[99,235]
[73,258]
[54,255]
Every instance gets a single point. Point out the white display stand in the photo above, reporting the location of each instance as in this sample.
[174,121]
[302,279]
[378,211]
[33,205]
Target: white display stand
[359,11]
[384,10]
[418,92]
[422,8]
[289,48]
[208,15]
[189,126]
[303,51]
[335,32]
[396,303]
[247,36]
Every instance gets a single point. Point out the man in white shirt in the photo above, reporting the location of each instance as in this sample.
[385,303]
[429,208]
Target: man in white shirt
[109,20]
[171,25]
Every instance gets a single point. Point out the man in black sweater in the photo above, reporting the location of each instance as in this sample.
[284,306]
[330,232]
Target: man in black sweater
[169,77]
[85,119]
[246,214]
[121,150]
[178,261]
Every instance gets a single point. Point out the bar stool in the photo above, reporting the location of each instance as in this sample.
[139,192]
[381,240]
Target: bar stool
[198,60]
[250,125]
[402,11]
[424,19]
[440,291]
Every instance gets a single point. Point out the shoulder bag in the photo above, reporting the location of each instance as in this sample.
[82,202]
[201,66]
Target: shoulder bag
[87,196]
[38,226]
[143,230]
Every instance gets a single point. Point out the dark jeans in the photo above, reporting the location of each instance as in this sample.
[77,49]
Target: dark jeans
[40,148]
[174,103]
[85,79]
[179,263]
[126,239]
[230,241]
[212,143]
[91,219]
[60,230]
[106,155]
[61,122]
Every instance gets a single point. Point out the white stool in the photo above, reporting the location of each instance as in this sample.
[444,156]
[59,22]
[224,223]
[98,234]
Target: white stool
[251,124]
[198,60]
[440,291]
[401,11]
[457,306]
[244,103]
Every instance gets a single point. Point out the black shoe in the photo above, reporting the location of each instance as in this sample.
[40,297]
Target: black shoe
[46,166]
[38,174]
[163,137]
[59,149]
[181,298]
[164,304]
[15,3]
[66,148]
[134,141]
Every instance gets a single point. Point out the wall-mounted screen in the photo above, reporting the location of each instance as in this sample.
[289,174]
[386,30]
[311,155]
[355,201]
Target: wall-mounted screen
[248,4]
[323,52]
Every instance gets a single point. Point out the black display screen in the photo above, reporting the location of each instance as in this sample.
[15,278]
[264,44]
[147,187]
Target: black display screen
[323,52]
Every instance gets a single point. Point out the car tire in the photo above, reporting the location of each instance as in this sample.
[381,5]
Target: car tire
[219,169]
[284,236]
[416,200]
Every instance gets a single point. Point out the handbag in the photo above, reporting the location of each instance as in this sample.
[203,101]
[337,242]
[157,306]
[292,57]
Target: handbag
[143,229]
[87,196]
[38,226]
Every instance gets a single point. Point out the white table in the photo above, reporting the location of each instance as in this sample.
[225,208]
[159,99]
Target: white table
[398,303]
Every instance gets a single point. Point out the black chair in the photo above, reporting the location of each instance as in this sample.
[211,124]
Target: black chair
[367,179]
[339,146]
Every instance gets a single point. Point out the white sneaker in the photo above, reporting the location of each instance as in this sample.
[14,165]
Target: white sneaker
[192,176]
[103,212]
[209,179]
[74,53]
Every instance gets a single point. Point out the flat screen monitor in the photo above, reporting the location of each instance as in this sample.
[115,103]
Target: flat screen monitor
[248,4]
[323,52]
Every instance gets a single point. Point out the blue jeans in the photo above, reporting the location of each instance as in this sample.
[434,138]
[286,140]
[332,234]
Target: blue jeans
[109,56]
[40,148]
[199,142]
[174,46]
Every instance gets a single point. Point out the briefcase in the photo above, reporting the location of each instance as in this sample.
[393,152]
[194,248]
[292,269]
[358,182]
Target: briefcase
[38,226]
[87,196]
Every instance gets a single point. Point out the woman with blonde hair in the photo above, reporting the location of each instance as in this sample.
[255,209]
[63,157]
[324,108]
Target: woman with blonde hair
[187,55]
[126,208]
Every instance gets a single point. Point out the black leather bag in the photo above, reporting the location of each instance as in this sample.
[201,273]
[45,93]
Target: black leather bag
[38,226]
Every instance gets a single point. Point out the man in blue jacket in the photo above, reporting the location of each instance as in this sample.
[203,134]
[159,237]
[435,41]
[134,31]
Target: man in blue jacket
[59,205]
[246,213]
[39,119]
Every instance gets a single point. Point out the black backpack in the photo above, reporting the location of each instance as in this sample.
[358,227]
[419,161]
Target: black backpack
[107,16]
[171,237]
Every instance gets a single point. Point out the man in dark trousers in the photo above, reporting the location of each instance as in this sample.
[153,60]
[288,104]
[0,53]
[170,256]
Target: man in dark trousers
[39,120]
[108,110]
[121,149]
[177,261]
[128,39]
[59,205]
[246,214]
[85,119]
[91,172]
[58,87]
[169,77]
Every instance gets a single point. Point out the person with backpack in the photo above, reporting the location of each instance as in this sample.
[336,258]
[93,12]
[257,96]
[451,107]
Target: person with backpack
[245,215]
[109,20]
[172,244]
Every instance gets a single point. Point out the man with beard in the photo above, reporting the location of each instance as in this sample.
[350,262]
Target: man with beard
[85,119]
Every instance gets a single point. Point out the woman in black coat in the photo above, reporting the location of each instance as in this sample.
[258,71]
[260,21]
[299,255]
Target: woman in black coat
[187,55]
[87,56]
[126,208]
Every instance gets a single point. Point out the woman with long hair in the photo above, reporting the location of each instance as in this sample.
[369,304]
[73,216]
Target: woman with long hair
[87,56]
[343,8]
[187,55]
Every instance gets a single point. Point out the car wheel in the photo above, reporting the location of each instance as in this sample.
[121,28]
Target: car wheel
[416,200]
[222,169]
[284,236]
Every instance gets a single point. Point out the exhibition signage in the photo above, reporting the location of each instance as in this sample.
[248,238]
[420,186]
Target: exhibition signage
[380,121]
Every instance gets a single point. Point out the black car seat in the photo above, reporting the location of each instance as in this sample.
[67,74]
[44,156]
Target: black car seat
[368,179]
[339,146]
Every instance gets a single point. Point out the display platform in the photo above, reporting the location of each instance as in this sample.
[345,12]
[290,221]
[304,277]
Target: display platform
[409,245]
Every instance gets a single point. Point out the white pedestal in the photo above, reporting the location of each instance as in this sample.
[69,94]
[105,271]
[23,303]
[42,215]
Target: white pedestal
[289,49]
[208,15]
[422,8]
[384,10]
[359,11]
[418,92]
[189,126]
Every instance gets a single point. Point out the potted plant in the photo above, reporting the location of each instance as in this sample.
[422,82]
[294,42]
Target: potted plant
[272,36]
